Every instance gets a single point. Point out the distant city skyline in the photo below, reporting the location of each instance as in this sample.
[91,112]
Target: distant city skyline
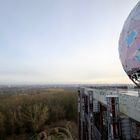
[65,41]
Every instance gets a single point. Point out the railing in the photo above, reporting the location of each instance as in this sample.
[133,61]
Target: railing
[129,105]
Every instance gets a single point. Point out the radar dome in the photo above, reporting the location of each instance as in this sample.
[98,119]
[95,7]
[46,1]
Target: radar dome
[129,45]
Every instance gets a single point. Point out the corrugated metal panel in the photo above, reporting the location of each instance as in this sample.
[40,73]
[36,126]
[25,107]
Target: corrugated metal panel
[126,129]
[96,107]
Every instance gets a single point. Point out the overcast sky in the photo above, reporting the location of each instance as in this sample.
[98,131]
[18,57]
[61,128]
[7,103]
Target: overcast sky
[61,41]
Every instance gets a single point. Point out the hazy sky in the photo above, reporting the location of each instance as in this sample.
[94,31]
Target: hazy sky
[62,41]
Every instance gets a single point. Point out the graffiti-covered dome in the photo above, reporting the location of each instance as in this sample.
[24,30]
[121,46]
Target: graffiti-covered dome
[129,45]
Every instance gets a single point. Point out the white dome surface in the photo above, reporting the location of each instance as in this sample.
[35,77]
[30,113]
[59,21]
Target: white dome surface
[129,45]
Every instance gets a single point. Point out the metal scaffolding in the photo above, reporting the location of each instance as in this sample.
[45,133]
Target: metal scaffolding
[99,116]
[113,117]
[87,128]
